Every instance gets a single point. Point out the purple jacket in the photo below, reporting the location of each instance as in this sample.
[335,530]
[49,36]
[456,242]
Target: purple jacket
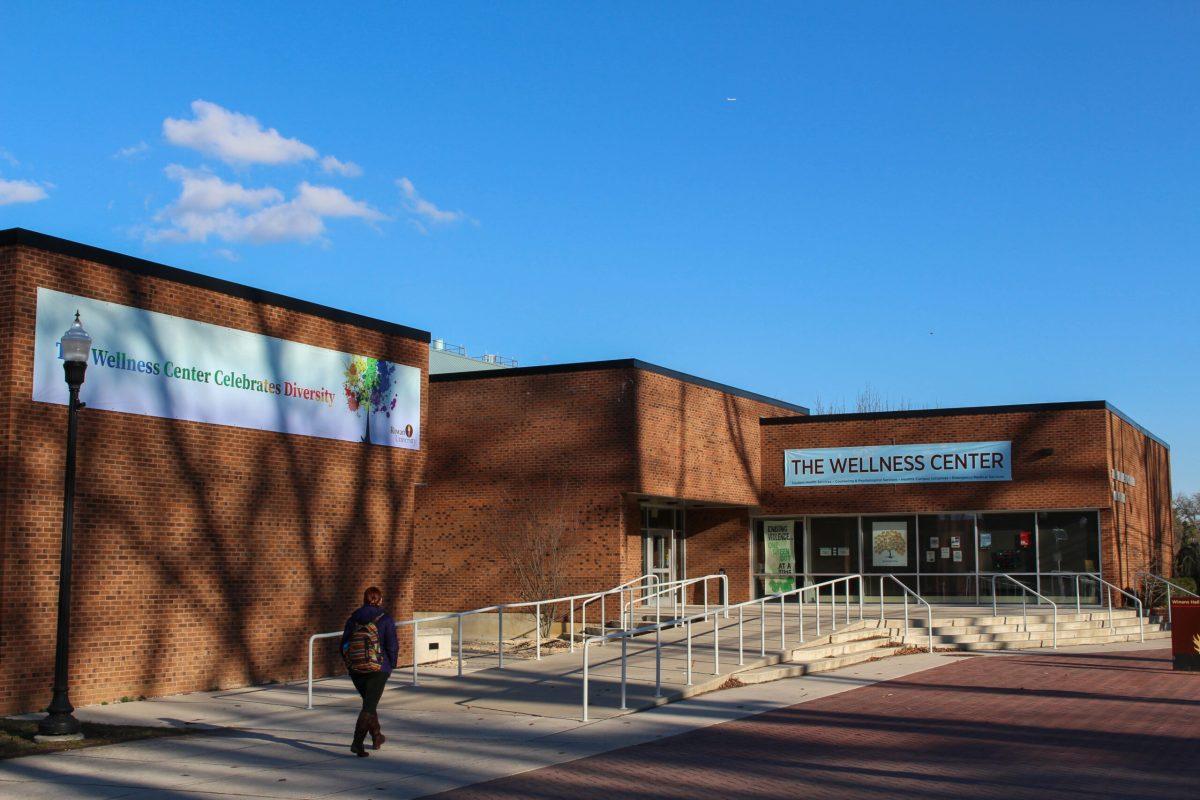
[387,633]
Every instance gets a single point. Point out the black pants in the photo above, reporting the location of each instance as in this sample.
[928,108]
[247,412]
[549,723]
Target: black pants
[370,688]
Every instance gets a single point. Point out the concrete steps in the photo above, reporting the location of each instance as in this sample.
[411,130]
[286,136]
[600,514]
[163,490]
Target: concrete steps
[992,632]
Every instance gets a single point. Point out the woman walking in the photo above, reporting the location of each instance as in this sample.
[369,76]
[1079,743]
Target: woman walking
[369,649]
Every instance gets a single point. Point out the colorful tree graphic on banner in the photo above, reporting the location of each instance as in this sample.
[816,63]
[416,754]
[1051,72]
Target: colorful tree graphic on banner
[368,386]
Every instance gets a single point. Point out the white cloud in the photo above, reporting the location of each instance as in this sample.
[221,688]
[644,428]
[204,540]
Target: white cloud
[9,157]
[12,192]
[227,254]
[425,210]
[132,150]
[234,138]
[208,206]
[202,191]
[333,166]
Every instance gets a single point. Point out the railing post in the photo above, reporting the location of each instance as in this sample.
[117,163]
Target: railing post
[586,642]
[414,646]
[460,646]
[817,592]
[782,622]
[800,615]
[832,606]
[572,636]
[929,621]
[1024,612]
[658,661]
[994,612]
[1170,621]
[741,638]
[1110,614]
[762,627]
[1078,601]
[689,653]
[861,591]
[624,645]
[603,616]
[705,582]
[905,595]
[311,639]
[847,601]
[500,638]
[716,645]
[880,601]
[1054,640]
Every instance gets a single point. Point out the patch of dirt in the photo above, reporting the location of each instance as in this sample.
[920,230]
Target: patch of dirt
[16,737]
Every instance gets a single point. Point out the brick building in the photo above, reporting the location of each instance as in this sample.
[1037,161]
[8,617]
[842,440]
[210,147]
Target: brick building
[213,538]
[205,554]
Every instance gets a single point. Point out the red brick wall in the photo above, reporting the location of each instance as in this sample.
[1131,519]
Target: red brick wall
[698,443]
[594,442]
[511,453]
[1059,461]
[718,540]
[1144,540]
[205,555]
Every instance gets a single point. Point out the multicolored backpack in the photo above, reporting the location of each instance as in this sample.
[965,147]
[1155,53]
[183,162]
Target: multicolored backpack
[362,651]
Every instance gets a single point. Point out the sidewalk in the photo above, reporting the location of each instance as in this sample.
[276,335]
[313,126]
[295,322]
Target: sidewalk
[264,744]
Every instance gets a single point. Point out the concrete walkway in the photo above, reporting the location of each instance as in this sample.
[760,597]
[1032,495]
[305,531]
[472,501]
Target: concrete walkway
[263,743]
[446,732]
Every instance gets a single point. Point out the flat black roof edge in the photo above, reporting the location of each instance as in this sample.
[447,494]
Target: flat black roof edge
[66,247]
[965,411]
[619,363]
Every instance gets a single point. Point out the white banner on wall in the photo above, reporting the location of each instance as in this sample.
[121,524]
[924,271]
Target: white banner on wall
[144,362]
[944,462]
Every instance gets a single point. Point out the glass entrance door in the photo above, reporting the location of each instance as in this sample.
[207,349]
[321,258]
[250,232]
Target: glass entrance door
[663,540]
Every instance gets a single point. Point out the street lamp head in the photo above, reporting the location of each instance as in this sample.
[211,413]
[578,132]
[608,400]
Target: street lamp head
[76,342]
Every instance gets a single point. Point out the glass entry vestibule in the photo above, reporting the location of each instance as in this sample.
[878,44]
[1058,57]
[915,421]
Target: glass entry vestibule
[945,557]
[665,548]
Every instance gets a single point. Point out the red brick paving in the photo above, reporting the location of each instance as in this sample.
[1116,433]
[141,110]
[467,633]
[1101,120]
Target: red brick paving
[1094,725]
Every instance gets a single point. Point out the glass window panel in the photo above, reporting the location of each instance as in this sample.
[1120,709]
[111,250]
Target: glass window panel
[889,544]
[1006,543]
[1069,541]
[833,545]
[947,553]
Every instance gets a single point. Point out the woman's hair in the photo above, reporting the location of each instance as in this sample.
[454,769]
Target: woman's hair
[372,596]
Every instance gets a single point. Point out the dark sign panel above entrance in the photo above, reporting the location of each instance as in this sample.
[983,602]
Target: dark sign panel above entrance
[951,462]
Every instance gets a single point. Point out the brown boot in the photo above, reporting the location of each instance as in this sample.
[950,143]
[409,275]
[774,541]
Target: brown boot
[377,737]
[361,728]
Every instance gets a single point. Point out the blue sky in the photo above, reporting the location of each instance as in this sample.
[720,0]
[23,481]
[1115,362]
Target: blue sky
[956,203]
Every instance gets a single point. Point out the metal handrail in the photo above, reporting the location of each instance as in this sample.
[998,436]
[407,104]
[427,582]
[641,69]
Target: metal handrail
[1131,596]
[679,585]
[458,617]
[627,585]
[1024,609]
[688,621]
[1151,576]
[907,592]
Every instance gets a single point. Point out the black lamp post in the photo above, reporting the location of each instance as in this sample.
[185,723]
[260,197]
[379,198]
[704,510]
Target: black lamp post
[59,722]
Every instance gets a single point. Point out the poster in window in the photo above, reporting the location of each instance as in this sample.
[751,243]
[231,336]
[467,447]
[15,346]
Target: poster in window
[945,552]
[779,537]
[955,541]
[933,542]
[889,544]
[985,540]
[958,555]
[930,556]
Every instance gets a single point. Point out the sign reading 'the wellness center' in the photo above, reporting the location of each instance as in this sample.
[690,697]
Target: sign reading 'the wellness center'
[899,463]
[144,362]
